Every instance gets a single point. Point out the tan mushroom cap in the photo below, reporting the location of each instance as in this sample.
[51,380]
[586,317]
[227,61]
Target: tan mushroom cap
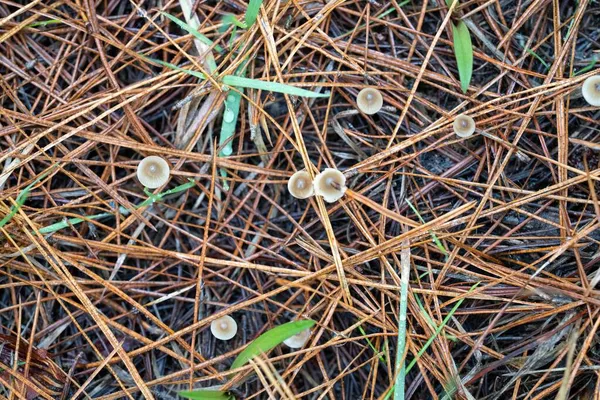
[298,340]
[591,90]
[300,185]
[464,126]
[331,184]
[153,172]
[369,101]
[224,328]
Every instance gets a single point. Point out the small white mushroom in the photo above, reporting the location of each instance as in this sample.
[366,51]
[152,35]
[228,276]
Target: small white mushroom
[464,126]
[369,101]
[298,340]
[300,185]
[153,172]
[224,328]
[591,90]
[331,184]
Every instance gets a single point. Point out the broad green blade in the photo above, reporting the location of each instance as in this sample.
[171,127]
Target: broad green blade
[192,31]
[230,117]
[270,339]
[238,81]
[463,51]
[252,12]
[197,74]
[202,394]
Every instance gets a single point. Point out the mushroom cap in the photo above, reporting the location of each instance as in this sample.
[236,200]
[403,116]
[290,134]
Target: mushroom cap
[298,340]
[300,185]
[153,172]
[331,184]
[224,328]
[369,101]
[591,90]
[464,126]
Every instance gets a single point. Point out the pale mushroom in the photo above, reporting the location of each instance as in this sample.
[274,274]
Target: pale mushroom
[298,340]
[300,185]
[331,184]
[591,90]
[464,126]
[153,172]
[369,101]
[224,328]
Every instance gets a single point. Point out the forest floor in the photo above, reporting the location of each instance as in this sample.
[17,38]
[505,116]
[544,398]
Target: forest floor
[452,267]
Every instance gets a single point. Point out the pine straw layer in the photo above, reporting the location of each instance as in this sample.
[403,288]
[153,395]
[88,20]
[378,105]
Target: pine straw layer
[119,307]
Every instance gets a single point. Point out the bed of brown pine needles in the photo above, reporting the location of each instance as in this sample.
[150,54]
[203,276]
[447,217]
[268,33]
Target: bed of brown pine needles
[120,306]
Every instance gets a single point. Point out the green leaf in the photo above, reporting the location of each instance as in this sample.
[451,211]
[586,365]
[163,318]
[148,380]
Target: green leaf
[230,19]
[238,81]
[197,74]
[205,395]
[252,12]
[230,117]
[463,51]
[270,339]
[45,23]
[192,31]
[22,197]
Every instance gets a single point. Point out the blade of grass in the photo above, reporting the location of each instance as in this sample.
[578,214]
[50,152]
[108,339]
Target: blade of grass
[239,81]
[22,197]
[230,117]
[205,395]
[400,363]
[151,199]
[540,59]
[270,339]
[360,328]
[197,74]
[463,51]
[183,25]
[587,68]
[432,338]
[252,12]
[438,330]
[229,20]
[434,237]
[45,23]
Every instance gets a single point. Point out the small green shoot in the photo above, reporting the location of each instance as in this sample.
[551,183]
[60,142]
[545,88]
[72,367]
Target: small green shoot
[434,237]
[438,330]
[202,394]
[587,68]
[230,116]
[432,338]
[270,339]
[540,59]
[45,23]
[183,25]
[22,197]
[239,81]
[381,358]
[463,51]
[229,20]
[197,74]
[252,12]
[150,200]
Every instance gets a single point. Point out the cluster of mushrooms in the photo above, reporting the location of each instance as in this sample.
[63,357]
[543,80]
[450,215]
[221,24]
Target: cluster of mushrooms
[153,172]
[329,184]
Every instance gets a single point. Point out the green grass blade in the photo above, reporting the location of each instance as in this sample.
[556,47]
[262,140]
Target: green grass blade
[252,12]
[434,237]
[197,74]
[270,339]
[229,20]
[587,68]
[438,330]
[45,23]
[205,395]
[239,81]
[21,198]
[183,25]
[540,59]
[377,352]
[230,117]
[463,51]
